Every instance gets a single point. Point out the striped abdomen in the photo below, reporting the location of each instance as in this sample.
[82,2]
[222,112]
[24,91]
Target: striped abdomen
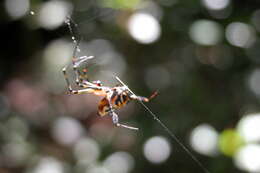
[117,101]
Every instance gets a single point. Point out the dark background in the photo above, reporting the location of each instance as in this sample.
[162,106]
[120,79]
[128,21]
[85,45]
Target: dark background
[198,84]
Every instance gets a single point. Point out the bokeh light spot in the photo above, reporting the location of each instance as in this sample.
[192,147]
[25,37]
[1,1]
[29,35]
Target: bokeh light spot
[17,8]
[17,152]
[57,52]
[144,28]
[48,165]
[52,14]
[249,127]
[248,158]
[18,128]
[240,34]
[204,139]
[86,150]
[215,4]
[206,32]
[67,130]
[56,55]
[157,149]
[119,162]
[98,169]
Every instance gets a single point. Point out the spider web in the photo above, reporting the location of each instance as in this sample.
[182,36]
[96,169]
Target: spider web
[79,24]
[93,12]
[84,17]
[172,135]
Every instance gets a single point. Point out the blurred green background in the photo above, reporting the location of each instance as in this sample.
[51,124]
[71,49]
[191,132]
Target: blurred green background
[202,56]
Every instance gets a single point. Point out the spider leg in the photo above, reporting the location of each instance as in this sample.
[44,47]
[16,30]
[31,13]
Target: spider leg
[105,108]
[88,89]
[115,120]
[66,78]
[82,77]
[144,99]
[79,76]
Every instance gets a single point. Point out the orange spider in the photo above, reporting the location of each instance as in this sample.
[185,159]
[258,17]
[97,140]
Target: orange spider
[114,97]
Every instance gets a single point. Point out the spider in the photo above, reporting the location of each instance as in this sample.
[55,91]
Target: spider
[113,97]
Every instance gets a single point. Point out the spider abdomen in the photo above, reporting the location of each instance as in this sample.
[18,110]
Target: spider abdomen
[117,101]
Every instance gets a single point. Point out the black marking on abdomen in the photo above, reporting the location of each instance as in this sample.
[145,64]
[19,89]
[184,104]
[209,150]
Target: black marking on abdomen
[118,100]
[125,99]
[115,93]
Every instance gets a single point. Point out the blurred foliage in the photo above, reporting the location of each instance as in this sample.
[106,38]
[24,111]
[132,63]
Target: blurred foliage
[120,4]
[230,141]
[197,84]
